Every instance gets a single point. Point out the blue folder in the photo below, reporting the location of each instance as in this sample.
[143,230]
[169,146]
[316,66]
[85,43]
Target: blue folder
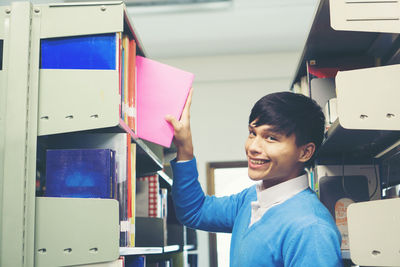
[80,52]
[85,173]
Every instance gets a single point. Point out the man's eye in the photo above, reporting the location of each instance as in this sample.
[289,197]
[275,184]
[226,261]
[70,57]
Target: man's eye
[271,138]
[252,133]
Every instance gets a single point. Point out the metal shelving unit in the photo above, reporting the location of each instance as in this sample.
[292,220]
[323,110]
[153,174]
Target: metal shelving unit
[357,48]
[36,102]
[362,39]
[346,48]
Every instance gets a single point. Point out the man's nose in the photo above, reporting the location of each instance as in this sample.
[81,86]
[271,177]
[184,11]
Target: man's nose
[256,145]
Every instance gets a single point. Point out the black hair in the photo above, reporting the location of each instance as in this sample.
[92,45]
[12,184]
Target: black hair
[289,113]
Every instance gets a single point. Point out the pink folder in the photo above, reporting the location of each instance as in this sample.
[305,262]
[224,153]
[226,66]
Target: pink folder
[161,90]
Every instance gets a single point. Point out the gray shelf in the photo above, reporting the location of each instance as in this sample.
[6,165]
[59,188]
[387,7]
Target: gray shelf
[95,93]
[171,248]
[37,102]
[165,178]
[348,49]
[189,247]
[358,146]
[126,251]
[147,162]
[357,136]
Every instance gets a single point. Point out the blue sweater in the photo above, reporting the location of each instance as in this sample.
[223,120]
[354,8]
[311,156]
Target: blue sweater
[298,232]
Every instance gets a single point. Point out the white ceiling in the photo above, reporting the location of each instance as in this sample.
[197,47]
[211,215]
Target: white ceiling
[245,26]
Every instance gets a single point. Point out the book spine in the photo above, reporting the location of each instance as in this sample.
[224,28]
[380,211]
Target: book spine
[133,193]
[123,109]
[153,196]
[129,177]
[132,85]
[125,47]
[119,49]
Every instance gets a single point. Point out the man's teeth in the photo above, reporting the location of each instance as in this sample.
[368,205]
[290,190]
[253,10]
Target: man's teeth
[259,161]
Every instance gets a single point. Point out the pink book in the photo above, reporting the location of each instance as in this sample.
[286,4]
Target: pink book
[161,90]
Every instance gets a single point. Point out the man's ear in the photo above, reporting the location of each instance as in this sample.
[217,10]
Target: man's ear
[306,152]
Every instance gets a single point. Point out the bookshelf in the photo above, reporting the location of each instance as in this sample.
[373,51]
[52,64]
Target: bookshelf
[353,49]
[36,103]
[361,40]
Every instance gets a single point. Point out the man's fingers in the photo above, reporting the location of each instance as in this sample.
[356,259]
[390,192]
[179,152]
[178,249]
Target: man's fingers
[186,109]
[171,119]
[189,99]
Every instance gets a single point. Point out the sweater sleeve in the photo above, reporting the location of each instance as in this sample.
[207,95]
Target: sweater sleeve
[196,210]
[314,245]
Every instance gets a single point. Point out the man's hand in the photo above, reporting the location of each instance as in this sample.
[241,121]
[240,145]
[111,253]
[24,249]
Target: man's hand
[182,133]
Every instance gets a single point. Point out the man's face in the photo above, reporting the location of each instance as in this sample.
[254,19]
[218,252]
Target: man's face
[272,157]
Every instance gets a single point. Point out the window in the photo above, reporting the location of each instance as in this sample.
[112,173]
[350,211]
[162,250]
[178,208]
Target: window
[225,178]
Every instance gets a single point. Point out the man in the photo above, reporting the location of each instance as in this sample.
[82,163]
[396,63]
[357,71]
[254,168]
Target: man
[280,221]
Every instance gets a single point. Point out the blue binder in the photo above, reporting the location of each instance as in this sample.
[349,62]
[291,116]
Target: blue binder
[84,173]
[80,52]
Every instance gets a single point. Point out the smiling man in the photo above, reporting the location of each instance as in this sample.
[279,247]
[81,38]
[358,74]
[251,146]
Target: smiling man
[280,221]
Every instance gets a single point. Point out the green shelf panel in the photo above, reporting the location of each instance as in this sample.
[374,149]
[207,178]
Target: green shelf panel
[72,231]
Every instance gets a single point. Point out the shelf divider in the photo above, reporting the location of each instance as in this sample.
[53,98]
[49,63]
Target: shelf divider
[72,231]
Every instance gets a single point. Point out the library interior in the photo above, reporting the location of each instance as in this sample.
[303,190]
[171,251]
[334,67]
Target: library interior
[211,133]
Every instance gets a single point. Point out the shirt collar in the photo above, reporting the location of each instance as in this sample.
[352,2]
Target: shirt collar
[281,192]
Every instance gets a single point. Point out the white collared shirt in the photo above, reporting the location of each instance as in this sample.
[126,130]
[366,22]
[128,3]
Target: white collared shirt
[275,195]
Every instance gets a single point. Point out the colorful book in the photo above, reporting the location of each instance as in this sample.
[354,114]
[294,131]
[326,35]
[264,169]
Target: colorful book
[129,176]
[148,196]
[142,198]
[84,173]
[161,90]
[133,193]
[120,73]
[132,86]
[123,93]
[125,48]
[129,191]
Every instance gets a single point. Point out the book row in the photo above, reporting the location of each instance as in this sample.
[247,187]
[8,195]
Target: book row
[100,165]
